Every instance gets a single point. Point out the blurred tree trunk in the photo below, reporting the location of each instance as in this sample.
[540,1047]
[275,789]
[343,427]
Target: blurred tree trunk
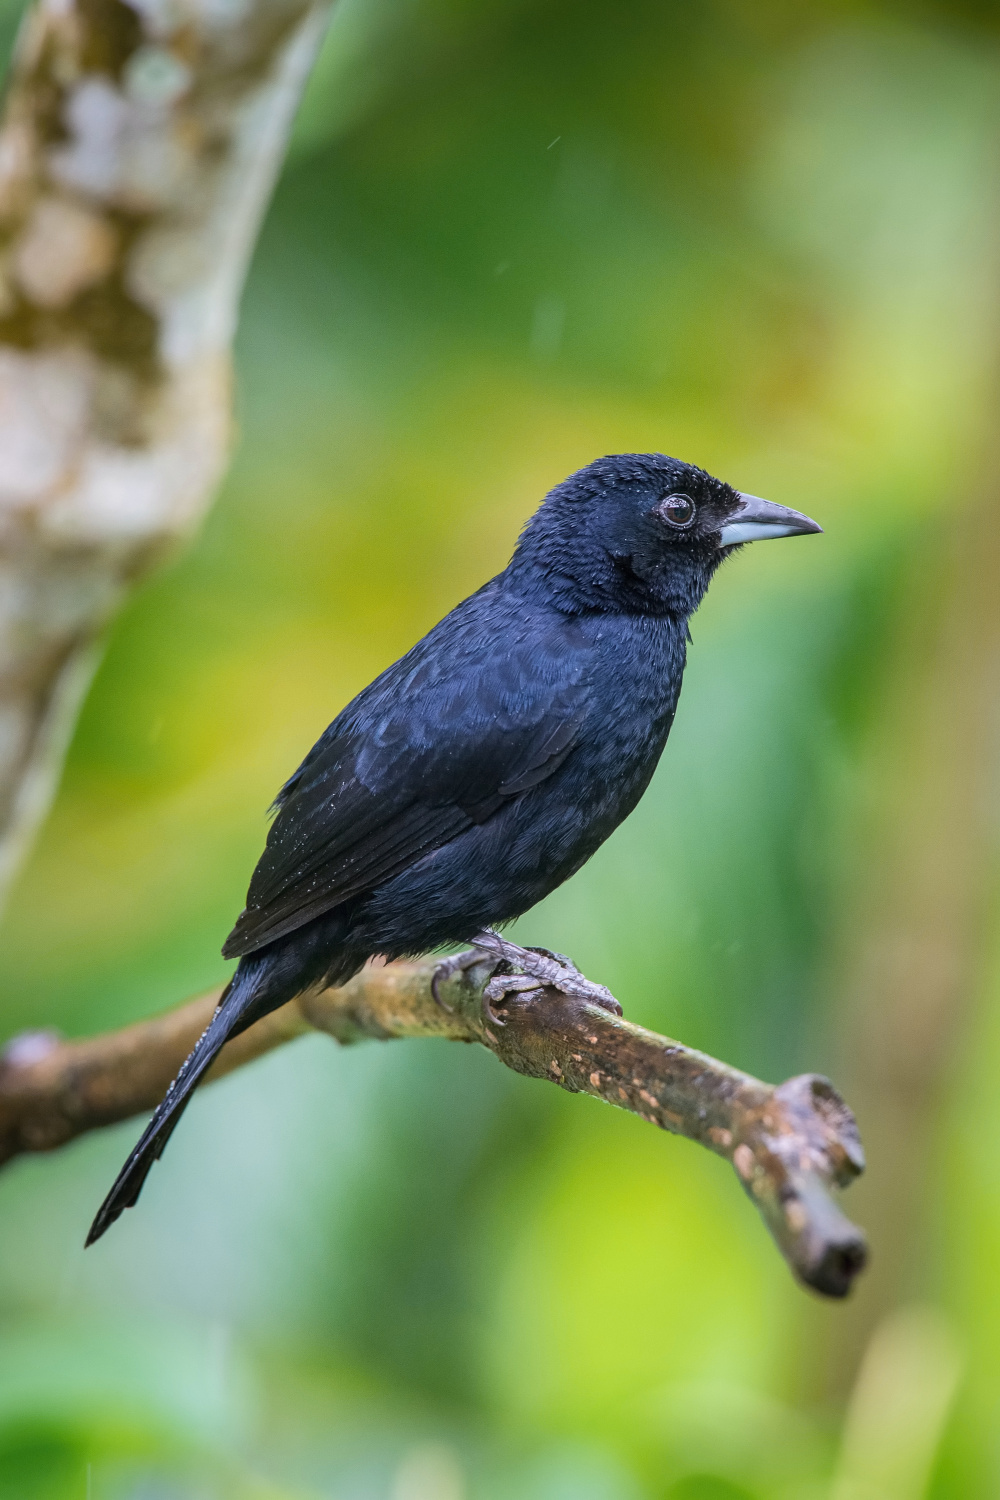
[138,150]
[914,914]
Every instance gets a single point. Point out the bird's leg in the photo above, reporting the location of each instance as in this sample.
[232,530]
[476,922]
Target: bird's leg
[540,968]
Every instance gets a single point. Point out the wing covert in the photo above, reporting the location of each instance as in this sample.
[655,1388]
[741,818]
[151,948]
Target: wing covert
[466,720]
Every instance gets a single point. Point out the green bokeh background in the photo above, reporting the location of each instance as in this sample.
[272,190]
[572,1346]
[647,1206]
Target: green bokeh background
[511,237]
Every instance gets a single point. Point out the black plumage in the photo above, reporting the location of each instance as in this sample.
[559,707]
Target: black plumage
[485,766]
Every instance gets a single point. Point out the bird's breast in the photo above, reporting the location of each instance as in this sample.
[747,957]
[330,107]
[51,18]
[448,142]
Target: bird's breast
[634,687]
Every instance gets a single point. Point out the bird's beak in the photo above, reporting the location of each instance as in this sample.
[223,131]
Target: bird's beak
[757,519]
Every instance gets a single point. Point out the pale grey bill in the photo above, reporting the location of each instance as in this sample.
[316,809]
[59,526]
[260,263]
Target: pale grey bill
[758,519]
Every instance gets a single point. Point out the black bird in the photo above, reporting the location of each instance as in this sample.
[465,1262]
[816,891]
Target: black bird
[485,766]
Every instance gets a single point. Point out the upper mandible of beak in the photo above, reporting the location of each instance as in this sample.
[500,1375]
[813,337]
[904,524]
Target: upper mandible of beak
[757,519]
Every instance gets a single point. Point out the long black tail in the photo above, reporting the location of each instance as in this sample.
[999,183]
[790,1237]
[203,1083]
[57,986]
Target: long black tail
[247,997]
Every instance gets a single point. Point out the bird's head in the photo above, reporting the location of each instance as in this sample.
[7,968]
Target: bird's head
[642,533]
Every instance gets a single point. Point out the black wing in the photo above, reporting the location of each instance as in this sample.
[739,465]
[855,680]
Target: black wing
[481,709]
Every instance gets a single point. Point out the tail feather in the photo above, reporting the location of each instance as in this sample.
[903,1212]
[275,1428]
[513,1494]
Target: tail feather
[241,1004]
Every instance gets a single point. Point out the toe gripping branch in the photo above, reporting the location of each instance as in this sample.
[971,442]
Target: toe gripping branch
[791,1145]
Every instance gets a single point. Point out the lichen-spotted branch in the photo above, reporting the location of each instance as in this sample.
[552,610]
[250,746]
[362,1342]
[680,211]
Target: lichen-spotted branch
[790,1145]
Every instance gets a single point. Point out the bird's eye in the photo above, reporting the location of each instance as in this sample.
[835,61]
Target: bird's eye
[679,510]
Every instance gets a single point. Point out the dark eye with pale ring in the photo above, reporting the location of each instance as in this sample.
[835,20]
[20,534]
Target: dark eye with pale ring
[678,510]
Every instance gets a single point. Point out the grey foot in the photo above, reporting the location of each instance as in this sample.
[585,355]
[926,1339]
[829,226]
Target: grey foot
[540,968]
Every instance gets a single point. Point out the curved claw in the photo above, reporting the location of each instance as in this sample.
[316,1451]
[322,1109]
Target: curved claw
[600,995]
[490,1017]
[454,963]
[443,971]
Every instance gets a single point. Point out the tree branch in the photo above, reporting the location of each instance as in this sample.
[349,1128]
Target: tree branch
[790,1145]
